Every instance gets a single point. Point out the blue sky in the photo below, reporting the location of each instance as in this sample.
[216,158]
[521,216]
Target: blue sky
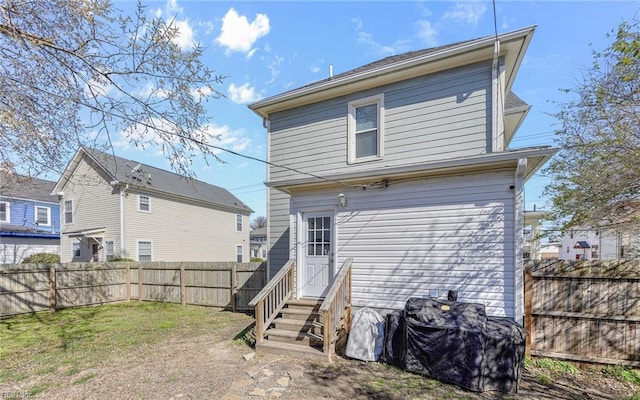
[265,48]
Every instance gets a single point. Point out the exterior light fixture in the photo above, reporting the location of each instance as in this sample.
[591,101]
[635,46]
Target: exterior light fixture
[342,199]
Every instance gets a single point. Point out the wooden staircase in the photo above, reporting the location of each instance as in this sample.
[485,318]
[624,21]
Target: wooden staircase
[298,328]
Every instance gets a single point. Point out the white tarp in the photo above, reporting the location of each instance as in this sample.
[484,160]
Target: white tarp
[366,339]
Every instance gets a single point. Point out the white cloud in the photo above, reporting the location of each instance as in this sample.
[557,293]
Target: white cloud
[468,13]
[238,34]
[314,69]
[273,67]
[201,92]
[243,94]
[95,88]
[185,39]
[428,33]
[150,90]
[226,138]
[172,7]
[251,53]
[394,48]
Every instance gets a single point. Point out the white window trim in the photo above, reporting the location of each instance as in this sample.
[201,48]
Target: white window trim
[64,211]
[351,126]
[8,211]
[241,223]
[138,248]
[149,198]
[35,215]
[73,252]
[113,254]
[242,250]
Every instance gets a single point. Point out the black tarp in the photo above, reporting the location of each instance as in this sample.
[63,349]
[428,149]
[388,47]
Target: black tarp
[455,342]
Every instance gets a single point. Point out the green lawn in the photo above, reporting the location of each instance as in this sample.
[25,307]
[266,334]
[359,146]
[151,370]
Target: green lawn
[73,340]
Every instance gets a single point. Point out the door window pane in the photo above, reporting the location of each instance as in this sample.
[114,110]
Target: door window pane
[319,236]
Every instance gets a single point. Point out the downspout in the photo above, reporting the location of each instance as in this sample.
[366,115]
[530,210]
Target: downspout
[267,126]
[496,101]
[518,239]
[123,247]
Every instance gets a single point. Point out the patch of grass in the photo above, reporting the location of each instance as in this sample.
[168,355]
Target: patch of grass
[623,373]
[74,340]
[84,379]
[543,378]
[553,366]
[247,336]
[37,389]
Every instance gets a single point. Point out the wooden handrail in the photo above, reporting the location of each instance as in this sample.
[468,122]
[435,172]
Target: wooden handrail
[336,305]
[272,299]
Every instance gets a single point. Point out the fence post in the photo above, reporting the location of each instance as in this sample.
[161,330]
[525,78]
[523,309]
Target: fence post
[139,281]
[528,284]
[183,286]
[234,284]
[52,288]
[128,289]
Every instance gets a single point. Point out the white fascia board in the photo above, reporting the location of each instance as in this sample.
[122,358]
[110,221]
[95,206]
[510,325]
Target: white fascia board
[520,38]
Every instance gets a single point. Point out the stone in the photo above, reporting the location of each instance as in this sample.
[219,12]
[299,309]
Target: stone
[275,394]
[257,392]
[267,372]
[249,356]
[294,374]
[284,381]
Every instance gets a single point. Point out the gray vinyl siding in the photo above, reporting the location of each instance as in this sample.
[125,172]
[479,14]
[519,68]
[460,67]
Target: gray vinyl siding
[180,230]
[279,237]
[445,233]
[430,118]
[95,205]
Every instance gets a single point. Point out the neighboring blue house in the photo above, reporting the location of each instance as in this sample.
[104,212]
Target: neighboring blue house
[29,219]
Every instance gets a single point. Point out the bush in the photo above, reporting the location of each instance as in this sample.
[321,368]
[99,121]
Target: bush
[256,259]
[47,258]
[120,259]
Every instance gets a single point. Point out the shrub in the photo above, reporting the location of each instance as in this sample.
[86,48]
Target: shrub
[47,258]
[256,259]
[120,259]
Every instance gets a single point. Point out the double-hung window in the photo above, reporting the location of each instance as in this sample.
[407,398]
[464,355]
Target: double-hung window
[144,203]
[366,129]
[4,212]
[68,211]
[43,215]
[238,222]
[145,250]
[76,250]
[239,253]
[108,250]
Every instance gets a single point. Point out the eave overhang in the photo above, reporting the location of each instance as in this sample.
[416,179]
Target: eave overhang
[536,158]
[513,46]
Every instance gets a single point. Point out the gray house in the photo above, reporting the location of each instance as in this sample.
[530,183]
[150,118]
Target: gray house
[404,165]
[114,207]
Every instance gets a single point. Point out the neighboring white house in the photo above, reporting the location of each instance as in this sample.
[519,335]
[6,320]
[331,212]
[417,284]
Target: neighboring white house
[114,207]
[404,165]
[581,243]
[259,243]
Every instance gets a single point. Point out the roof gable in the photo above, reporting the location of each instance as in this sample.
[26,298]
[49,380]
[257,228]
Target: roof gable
[405,66]
[145,177]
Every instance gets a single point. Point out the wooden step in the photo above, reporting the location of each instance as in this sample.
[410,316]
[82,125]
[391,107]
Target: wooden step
[299,325]
[300,314]
[313,304]
[267,347]
[293,337]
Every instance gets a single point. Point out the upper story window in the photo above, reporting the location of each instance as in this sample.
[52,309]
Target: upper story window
[238,223]
[43,215]
[366,129]
[68,211]
[4,212]
[144,203]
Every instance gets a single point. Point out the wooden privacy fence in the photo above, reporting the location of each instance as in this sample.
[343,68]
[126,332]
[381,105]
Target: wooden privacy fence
[584,311]
[27,288]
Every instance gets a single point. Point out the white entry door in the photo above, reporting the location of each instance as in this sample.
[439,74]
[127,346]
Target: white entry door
[317,250]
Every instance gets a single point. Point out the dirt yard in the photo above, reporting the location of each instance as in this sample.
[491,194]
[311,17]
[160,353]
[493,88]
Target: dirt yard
[213,367]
